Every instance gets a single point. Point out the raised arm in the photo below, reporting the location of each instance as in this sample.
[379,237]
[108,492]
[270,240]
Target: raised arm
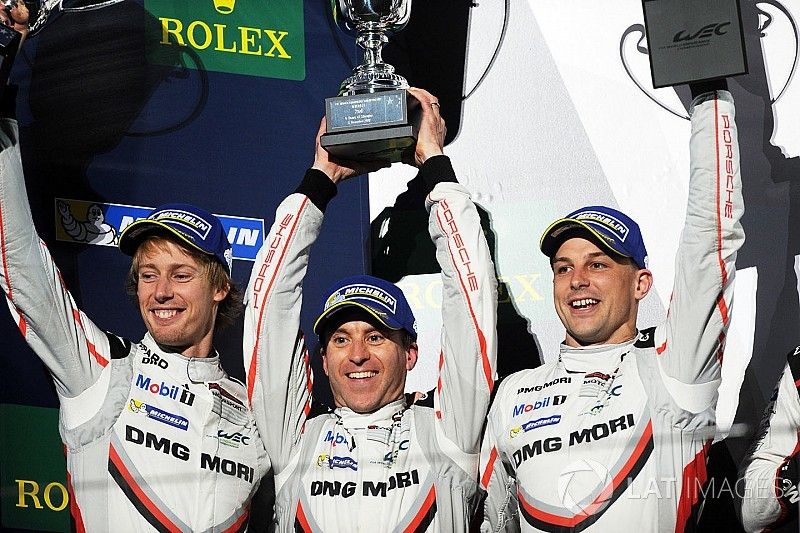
[768,490]
[691,344]
[276,359]
[468,356]
[74,350]
[275,355]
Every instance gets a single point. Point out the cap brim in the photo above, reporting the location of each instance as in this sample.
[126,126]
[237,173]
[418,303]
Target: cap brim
[334,309]
[133,235]
[566,228]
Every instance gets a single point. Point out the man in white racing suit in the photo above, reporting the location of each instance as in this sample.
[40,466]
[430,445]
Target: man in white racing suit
[157,436]
[767,494]
[614,433]
[377,462]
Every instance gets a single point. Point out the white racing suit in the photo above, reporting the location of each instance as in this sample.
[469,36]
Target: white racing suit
[404,467]
[155,441]
[615,437]
[768,492]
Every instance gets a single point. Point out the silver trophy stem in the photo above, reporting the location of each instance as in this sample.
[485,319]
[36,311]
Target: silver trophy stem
[372,42]
[373,75]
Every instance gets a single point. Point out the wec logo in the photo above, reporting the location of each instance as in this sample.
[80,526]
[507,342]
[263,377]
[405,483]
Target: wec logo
[706,32]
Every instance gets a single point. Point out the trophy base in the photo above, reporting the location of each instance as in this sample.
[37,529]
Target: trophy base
[385,144]
[368,127]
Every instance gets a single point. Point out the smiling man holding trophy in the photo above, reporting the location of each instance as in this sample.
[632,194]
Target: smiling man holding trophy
[380,460]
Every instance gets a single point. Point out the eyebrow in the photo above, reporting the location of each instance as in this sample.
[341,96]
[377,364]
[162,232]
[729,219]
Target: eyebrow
[171,266]
[591,255]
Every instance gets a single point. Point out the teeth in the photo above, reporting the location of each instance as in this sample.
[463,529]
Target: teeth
[586,302]
[165,313]
[361,375]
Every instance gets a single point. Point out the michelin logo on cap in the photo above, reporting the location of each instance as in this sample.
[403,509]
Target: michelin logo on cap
[362,291]
[199,226]
[620,229]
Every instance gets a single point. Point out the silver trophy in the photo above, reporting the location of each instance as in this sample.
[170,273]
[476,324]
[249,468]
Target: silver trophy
[373,117]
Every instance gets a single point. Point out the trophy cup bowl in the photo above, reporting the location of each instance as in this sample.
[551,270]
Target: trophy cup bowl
[373,117]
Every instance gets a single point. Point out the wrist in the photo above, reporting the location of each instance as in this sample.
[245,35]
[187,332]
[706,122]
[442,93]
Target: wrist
[426,154]
[330,170]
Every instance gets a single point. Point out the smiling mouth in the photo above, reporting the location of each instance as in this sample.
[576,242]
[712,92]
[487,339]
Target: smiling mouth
[584,303]
[361,375]
[165,314]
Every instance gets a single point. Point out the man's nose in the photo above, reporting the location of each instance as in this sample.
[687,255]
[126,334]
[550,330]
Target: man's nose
[359,352]
[579,279]
[163,290]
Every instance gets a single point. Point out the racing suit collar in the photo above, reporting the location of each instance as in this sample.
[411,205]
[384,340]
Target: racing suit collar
[350,417]
[603,358]
[194,369]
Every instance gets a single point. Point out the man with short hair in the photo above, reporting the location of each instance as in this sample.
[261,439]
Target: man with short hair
[378,461]
[157,436]
[613,432]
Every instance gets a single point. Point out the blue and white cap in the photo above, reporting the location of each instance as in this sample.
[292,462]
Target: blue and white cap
[607,227]
[194,226]
[380,298]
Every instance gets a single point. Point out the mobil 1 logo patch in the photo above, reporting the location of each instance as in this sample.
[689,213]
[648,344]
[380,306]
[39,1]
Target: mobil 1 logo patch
[167,390]
[547,401]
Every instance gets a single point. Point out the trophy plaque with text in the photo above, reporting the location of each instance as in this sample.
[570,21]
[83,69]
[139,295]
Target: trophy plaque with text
[373,118]
[691,41]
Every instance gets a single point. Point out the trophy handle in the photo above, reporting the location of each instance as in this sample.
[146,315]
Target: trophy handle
[768,20]
[640,47]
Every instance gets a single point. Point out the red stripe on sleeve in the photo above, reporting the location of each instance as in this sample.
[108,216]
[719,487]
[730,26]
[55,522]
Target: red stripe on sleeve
[487,474]
[694,477]
[251,375]
[423,511]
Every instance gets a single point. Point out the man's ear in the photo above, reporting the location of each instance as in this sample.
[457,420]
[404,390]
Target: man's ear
[324,361]
[221,294]
[412,352]
[644,282]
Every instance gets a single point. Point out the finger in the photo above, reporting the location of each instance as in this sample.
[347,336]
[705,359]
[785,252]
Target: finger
[426,100]
[421,94]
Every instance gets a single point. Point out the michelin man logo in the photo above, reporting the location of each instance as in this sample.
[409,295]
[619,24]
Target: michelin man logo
[137,407]
[93,230]
[574,480]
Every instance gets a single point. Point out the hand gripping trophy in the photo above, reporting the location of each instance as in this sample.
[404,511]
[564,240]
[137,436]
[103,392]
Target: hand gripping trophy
[373,116]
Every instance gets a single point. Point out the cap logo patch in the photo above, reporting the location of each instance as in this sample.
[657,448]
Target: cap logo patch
[362,292]
[610,223]
[190,221]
